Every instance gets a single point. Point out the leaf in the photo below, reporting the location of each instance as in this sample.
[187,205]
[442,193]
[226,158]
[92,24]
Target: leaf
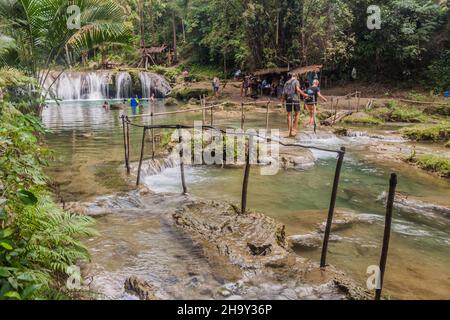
[3,214]
[4,272]
[5,233]
[5,245]
[27,197]
[13,294]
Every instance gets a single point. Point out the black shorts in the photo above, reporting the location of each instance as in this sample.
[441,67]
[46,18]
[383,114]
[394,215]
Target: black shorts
[292,104]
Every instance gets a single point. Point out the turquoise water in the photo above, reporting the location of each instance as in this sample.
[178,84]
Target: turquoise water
[88,146]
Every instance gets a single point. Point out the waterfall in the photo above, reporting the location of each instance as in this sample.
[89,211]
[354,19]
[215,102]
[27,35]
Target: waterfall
[146,84]
[123,85]
[94,85]
[153,167]
[68,87]
[152,83]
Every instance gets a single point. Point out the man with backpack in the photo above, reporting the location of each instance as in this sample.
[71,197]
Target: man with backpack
[291,96]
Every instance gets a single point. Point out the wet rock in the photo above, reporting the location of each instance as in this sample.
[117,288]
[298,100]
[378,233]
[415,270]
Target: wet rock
[141,288]
[194,101]
[409,204]
[224,292]
[170,102]
[194,282]
[289,294]
[297,158]
[259,250]
[303,292]
[118,106]
[311,240]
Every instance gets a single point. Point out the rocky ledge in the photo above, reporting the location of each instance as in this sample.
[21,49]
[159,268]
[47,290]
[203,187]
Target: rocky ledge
[257,245]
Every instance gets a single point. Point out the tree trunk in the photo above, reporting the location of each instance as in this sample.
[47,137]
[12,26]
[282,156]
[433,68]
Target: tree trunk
[174,29]
[142,31]
[184,31]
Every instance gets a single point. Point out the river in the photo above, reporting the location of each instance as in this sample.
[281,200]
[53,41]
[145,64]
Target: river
[88,150]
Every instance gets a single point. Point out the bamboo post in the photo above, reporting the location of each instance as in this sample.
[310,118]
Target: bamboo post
[152,130]
[138,180]
[203,104]
[183,181]
[242,116]
[323,258]
[212,115]
[128,145]
[246,176]
[267,117]
[387,232]
[359,100]
[125,147]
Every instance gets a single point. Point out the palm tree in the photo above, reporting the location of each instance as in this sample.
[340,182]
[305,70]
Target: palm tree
[42,36]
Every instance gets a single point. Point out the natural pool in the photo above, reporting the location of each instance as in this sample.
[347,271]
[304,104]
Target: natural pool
[88,146]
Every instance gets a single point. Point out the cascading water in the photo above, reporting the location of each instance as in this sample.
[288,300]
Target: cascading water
[123,85]
[68,87]
[96,85]
[146,84]
[154,84]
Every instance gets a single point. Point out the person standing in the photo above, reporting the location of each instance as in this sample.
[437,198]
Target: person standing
[216,86]
[313,93]
[291,93]
[134,103]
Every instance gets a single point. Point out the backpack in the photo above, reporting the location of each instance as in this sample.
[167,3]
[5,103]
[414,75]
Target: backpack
[289,90]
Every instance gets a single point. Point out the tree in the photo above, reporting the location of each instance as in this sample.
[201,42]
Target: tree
[41,33]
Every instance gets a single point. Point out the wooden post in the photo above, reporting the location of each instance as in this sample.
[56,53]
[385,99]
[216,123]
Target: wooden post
[212,116]
[138,180]
[242,116]
[246,176]
[387,232]
[359,100]
[128,146]
[183,181]
[323,258]
[125,147]
[267,117]
[203,104]
[152,130]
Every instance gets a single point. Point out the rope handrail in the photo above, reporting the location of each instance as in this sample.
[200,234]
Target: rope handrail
[174,112]
[179,126]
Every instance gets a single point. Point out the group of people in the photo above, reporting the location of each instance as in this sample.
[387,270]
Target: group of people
[292,95]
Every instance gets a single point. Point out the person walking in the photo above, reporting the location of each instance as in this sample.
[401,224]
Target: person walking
[216,86]
[313,93]
[291,93]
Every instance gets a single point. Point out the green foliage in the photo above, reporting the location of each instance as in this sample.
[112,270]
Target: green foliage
[440,110]
[406,37]
[40,36]
[189,93]
[170,74]
[427,133]
[438,73]
[38,240]
[433,163]
[398,113]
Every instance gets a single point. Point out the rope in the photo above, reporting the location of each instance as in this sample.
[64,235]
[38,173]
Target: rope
[180,126]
